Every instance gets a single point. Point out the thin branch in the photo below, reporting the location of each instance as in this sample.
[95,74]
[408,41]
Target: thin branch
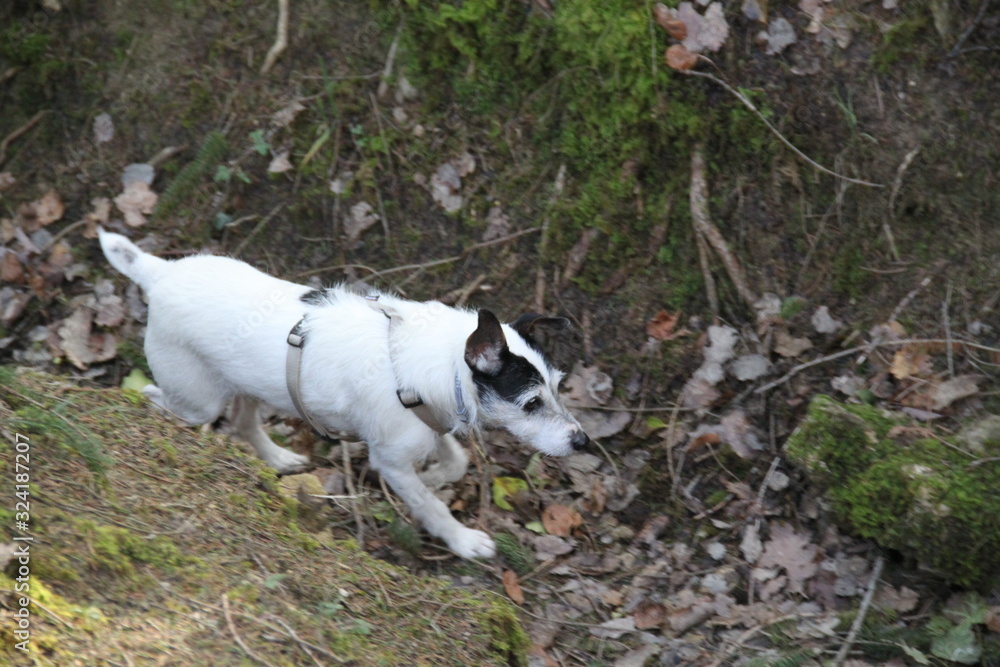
[778,134]
[16,134]
[866,602]
[236,636]
[281,41]
[860,348]
[957,49]
[425,265]
[707,230]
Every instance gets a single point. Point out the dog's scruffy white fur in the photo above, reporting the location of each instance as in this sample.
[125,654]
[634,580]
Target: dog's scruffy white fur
[216,337]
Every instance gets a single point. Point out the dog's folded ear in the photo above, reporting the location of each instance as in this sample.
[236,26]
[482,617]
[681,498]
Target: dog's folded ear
[487,346]
[527,323]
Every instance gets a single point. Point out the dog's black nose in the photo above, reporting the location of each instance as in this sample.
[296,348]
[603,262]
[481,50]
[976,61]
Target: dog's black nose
[579,440]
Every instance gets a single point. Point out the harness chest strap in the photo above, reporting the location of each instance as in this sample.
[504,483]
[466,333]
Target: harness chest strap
[293,368]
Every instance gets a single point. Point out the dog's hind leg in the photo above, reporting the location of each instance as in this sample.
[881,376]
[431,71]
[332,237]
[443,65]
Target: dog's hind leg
[451,465]
[247,423]
[184,386]
[434,514]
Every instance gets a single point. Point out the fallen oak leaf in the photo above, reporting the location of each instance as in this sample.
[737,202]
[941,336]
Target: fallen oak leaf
[667,19]
[49,208]
[661,326]
[679,58]
[959,387]
[513,587]
[560,520]
[136,202]
[791,551]
[788,345]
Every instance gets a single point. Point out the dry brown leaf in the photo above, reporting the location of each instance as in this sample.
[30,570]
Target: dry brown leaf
[560,520]
[6,180]
[909,361]
[667,18]
[788,345]
[679,58]
[137,201]
[362,218]
[12,305]
[497,224]
[41,212]
[794,552]
[649,615]
[687,611]
[280,164]
[513,587]
[104,129]
[704,33]
[49,208]
[445,186]
[993,619]
[661,326]
[959,387]
[902,600]
[11,270]
[74,336]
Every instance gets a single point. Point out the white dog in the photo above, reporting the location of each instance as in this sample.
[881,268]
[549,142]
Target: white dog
[400,374]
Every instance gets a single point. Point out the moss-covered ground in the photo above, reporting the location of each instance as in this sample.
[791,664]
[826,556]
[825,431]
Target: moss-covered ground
[906,487]
[145,533]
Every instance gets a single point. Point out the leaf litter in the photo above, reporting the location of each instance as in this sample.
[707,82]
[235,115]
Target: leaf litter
[608,558]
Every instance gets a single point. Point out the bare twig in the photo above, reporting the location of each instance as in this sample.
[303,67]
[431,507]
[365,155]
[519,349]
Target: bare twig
[256,230]
[845,353]
[957,49]
[778,134]
[945,305]
[703,226]
[281,41]
[711,293]
[897,311]
[18,133]
[345,457]
[236,635]
[543,242]
[866,602]
[897,183]
[425,265]
[390,61]
[291,633]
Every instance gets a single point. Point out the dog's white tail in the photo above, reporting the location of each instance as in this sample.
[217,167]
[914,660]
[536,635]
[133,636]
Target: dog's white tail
[144,269]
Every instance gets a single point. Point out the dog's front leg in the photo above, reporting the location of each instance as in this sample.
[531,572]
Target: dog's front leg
[435,516]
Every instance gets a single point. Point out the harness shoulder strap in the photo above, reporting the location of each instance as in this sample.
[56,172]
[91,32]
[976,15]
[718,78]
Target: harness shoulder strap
[293,372]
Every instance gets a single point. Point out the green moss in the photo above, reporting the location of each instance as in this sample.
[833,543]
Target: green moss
[506,634]
[118,549]
[922,498]
[587,88]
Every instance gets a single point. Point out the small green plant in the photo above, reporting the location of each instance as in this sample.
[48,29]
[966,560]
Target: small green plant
[260,144]
[211,153]
[517,556]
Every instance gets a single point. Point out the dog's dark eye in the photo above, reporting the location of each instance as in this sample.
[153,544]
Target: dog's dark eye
[533,404]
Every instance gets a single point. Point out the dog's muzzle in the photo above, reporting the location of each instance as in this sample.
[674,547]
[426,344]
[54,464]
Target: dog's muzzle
[579,440]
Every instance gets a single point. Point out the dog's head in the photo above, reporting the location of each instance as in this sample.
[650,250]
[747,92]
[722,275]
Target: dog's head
[518,390]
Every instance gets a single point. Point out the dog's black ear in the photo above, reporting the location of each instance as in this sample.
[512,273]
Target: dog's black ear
[487,346]
[526,324]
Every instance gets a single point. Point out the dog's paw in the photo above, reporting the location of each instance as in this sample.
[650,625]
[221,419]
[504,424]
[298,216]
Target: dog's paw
[155,396]
[287,462]
[471,543]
